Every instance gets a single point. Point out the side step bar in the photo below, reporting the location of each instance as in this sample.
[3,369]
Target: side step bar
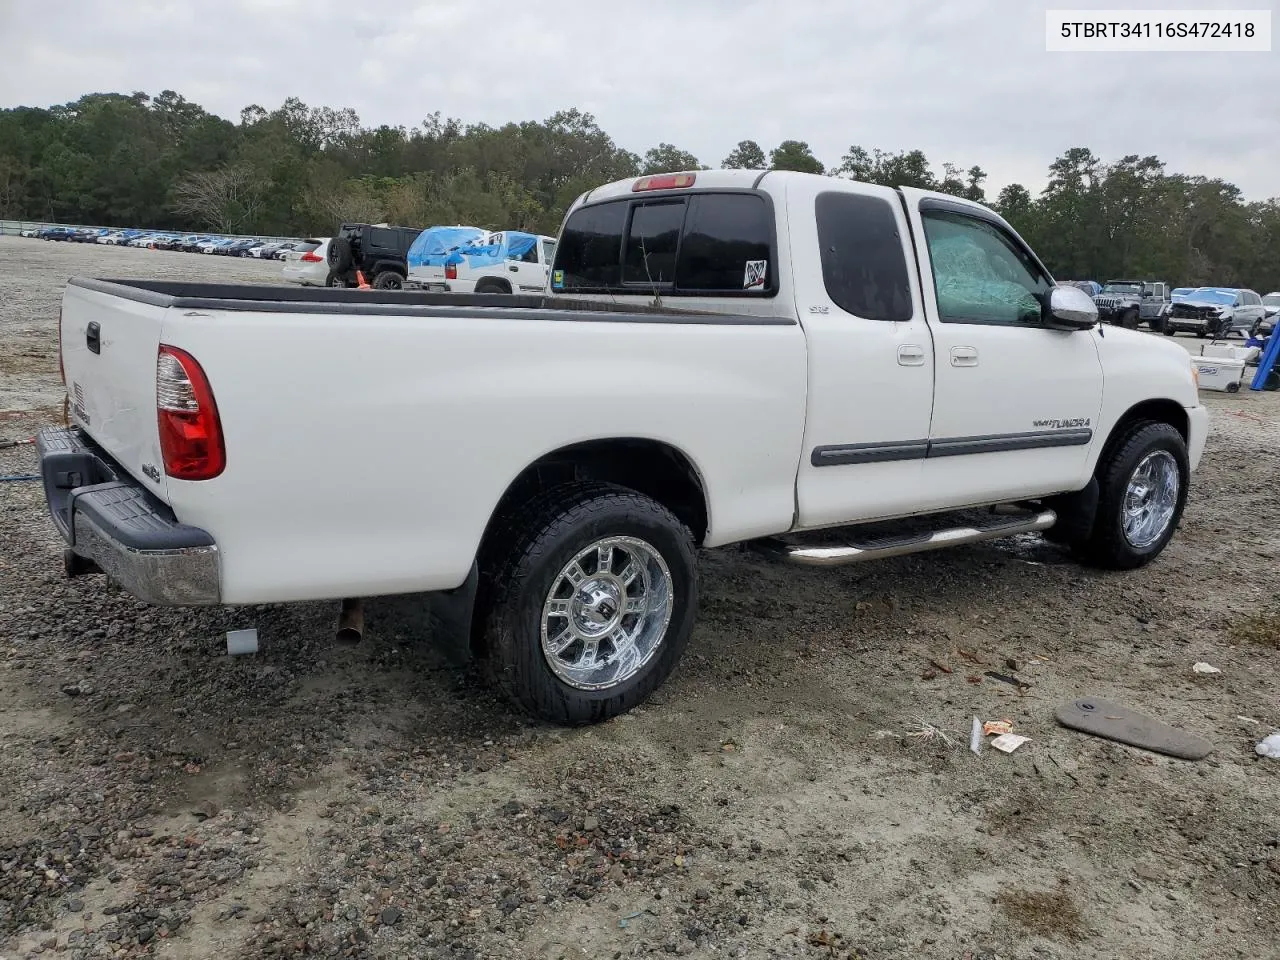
[883,547]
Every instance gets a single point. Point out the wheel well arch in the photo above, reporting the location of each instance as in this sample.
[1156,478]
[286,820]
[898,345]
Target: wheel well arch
[1160,410]
[654,468]
[498,281]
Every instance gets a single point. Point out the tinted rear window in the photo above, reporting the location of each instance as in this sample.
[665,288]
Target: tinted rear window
[306,246]
[651,243]
[727,242]
[707,243]
[863,266]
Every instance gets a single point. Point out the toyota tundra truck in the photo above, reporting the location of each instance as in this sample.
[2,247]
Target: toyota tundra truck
[824,370]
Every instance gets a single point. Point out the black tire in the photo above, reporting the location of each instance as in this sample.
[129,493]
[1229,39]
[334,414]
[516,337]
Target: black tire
[388,280]
[490,285]
[1233,387]
[1157,324]
[1129,320]
[1106,545]
[333,280]
[1202,334]
[1224,330]
[1256,328]
[521,568]
[339,255]
[1169,331]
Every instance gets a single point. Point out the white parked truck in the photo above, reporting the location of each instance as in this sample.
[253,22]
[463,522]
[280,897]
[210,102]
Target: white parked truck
[507,261]
[829,370]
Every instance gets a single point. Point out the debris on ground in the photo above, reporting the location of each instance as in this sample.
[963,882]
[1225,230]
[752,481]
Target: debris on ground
[1269,747]
[997,727]
[1114,721]
[1203,667]
[1009,742]
[242,642]
[975,738]
[1005,678]
[625,920]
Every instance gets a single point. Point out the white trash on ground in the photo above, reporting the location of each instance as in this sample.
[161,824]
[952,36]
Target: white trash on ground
[1270,747]
[241,642]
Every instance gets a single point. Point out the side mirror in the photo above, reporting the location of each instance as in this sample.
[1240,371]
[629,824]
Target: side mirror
[1071,309]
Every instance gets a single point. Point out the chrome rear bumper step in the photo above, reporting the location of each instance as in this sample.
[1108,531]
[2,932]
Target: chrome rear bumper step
[881,548]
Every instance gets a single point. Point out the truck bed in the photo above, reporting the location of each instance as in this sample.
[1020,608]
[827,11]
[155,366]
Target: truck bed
[279,298]
[370,435]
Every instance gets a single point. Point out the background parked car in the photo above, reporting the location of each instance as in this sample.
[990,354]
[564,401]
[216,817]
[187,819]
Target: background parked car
[308,264]
[1219,311]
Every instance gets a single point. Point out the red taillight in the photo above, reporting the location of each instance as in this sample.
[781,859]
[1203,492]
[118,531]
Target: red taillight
[451,271]
[665,181]
[310,257]
[62,370]
[190,431]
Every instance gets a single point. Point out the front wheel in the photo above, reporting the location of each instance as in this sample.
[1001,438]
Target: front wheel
[1142,487]
[589,603]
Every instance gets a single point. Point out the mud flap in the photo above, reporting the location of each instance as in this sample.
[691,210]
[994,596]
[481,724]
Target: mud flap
[1114,721]
[450,613]
[1076,514]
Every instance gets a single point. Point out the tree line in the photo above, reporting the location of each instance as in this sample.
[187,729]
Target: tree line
[165,162]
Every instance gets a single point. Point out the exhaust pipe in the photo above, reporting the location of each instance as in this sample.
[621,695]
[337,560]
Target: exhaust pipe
[351,621]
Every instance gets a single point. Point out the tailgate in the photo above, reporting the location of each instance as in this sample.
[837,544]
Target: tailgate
[109,347]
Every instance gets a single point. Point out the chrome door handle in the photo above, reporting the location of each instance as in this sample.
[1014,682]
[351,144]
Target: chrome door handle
[911,355]
[964,356]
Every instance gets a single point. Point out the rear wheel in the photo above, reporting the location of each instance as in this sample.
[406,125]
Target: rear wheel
[490,285]
[1169,331]
[588,604]
[1142,490]
[388,280]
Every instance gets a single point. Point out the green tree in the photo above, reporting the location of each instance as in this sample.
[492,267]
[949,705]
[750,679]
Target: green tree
[794,155]
[747,155]
[666,158]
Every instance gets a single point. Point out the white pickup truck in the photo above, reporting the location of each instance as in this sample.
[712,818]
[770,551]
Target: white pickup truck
[507,261]
[830,370]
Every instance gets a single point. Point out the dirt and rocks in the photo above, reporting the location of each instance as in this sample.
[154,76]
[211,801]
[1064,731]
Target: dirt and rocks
[161,799]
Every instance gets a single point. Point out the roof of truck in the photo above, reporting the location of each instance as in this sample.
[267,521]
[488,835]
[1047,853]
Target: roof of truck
[731,179]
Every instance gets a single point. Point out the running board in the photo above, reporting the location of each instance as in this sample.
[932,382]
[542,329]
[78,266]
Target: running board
[882,547]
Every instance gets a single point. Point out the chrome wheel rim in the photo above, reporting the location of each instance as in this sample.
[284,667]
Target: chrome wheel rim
[1150,499]
[606,613]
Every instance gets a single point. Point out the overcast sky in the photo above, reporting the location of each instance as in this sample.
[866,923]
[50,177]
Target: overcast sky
[966,81]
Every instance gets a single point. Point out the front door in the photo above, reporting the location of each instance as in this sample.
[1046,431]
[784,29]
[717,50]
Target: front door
[1016,403]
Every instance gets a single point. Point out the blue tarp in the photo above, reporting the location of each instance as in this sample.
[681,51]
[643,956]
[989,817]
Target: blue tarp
[511,245]
[434,244]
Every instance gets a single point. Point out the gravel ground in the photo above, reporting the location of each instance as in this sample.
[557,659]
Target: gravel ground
[159,798]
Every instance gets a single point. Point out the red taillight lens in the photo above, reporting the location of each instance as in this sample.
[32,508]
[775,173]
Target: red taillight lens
[190,431]
[451,271]
[311,257]
[666,181]
[62,370]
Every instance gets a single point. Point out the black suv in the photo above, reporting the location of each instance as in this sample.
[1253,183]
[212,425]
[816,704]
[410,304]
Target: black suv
[379,252]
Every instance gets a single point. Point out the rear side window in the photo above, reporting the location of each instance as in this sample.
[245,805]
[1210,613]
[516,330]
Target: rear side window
[863,265]
[704,244]
[381,237]
[590,250]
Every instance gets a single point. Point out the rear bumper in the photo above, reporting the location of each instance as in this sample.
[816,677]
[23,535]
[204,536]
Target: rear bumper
[105,516]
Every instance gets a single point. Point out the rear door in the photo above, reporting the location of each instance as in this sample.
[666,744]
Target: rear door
[1016,403]
[871,355]
[109,349]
